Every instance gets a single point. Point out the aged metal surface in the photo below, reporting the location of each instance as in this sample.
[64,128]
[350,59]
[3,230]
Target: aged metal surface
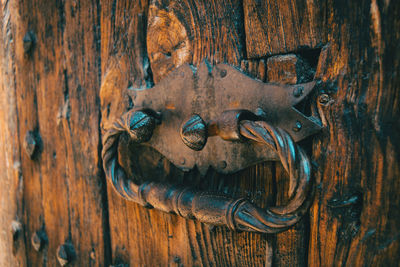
[208,92]
[208,207]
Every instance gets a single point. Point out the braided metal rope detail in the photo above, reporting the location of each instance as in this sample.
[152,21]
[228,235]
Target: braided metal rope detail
[296,163]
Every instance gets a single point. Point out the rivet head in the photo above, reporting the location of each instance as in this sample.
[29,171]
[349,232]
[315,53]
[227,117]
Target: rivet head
[177,259]
[30,144]
[29,41]
[65,254]
[194,133]
[297,126]
[38,240]
[223,73]
[324,99]
[298,91]
[222,164]
[141,125]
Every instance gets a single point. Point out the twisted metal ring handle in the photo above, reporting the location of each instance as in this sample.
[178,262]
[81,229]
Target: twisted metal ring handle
[214,208]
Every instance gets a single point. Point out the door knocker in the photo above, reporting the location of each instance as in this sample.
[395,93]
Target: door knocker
[255,121]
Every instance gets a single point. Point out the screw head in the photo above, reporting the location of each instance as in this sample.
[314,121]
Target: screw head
[297,127]
[298,91]
[194,133]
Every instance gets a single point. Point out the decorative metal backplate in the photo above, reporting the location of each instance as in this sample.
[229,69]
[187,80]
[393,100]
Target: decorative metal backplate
[208,92]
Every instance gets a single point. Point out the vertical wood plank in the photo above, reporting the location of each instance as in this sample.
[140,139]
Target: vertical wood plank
[56,86]
[354,221]
[282,26]
[12,241]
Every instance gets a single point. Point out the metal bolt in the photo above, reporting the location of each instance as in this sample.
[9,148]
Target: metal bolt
[30,144]
[222,164]
[38,240]
[324,99]
[141,125]
[261,113]
[29,41]
[298,91]
[222,73]
[297,127]
[194,133]
[65,254]
[16,228]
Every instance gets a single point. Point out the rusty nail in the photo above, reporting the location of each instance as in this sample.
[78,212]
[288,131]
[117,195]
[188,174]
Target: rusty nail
[30,144]
[65,254]
[177,259]
[298,91]
[261,113]
[182,161]
[323,99]
[38,240]
[16,228]
[28,41]
[222,164]
[297,127]
[222,73]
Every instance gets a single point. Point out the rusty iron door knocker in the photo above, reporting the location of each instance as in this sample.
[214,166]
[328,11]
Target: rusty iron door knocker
[254,125]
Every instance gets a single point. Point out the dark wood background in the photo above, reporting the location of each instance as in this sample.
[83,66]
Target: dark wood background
[66,67]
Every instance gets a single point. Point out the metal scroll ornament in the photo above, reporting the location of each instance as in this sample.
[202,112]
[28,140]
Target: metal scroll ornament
[234,126]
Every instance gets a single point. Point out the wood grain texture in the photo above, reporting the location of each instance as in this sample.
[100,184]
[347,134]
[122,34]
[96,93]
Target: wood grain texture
[354,221]
[12,245]
[56,97]
[282,26]
[50,87]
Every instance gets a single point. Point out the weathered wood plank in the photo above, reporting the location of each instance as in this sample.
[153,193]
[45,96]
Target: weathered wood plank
[12,241]
[282,26]
[354,221]
[56,81]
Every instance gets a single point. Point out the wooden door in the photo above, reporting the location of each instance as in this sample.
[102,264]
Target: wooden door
[66,70]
